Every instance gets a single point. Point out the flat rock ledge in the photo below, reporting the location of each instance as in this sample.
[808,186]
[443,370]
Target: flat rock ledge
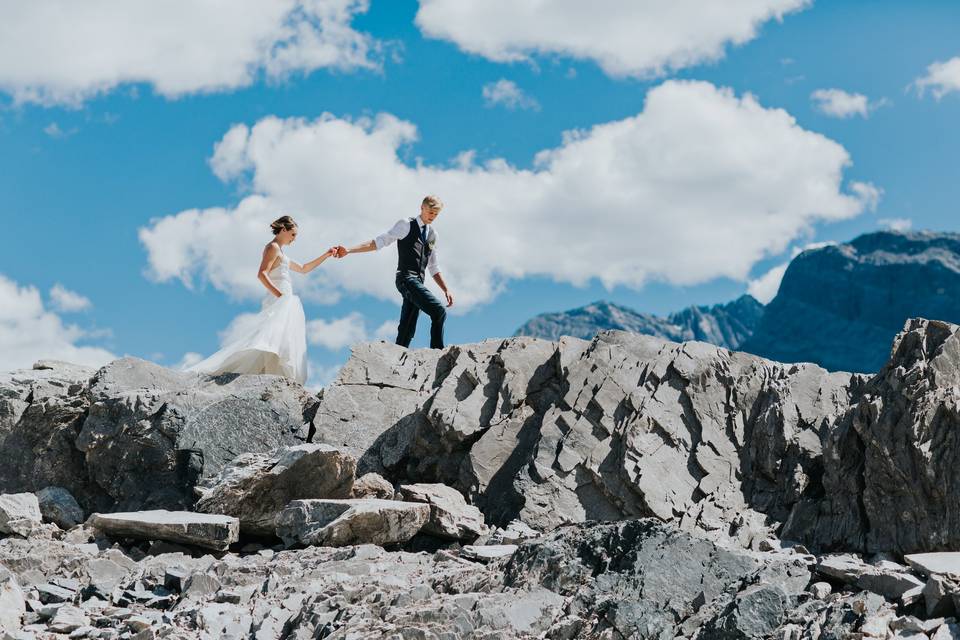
[184,527]
[340,523]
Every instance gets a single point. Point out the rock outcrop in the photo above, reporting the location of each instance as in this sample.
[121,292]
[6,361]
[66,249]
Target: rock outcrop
[724,325]
[630,487]
[890,459]
[340,523]
[256,487]
[135,435]
[625,425]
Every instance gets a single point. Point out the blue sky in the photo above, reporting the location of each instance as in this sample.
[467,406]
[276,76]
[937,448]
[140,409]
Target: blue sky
[78,181]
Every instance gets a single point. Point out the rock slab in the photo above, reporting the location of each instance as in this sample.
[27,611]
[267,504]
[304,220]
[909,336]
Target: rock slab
[201,529]
[338,523]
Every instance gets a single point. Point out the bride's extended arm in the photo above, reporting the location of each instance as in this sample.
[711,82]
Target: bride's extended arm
[270,253]
[307,267]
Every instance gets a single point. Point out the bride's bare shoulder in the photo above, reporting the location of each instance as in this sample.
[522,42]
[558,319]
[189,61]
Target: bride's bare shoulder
[271,248]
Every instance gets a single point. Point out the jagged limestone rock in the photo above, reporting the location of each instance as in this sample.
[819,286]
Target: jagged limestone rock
[625,425]
[890,458]
[450,515]
[338,523]
[134,435]
[256,487]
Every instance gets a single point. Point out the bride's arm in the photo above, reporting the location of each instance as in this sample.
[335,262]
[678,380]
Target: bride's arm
[307,267]
[270,253]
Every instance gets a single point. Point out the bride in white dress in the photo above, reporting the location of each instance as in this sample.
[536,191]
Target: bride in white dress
[275,341]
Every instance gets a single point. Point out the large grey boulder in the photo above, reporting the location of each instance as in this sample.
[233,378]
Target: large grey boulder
[41,413]
[135,435]
[890,481]
[256,487]
[153,433]
[450,515]
[19,513]
[569,431]
[337,523]
[200,529]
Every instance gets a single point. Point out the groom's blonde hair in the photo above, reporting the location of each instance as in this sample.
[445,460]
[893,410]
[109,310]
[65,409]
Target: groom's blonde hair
[433,203]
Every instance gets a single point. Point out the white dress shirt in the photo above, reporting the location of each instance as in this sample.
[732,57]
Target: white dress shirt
[400,231]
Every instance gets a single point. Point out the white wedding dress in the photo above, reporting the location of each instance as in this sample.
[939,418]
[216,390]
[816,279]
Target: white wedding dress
[274,341]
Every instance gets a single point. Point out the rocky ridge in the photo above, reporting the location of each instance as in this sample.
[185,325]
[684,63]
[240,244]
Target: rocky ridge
[623,487]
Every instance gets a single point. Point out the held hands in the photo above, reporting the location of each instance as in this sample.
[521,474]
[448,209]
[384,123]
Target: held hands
[337,251]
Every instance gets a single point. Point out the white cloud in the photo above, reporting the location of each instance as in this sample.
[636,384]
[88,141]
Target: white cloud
[54,131]
[942,78]
[837,103]
[765,288]
[867,193]
[63,52]
[896,224]
[29,332]
[625,37]
[701,184]
[339,333]
[188,360]
[321,375]
[506,93]
[68,301]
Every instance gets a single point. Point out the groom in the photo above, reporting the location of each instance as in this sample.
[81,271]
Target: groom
[416,239]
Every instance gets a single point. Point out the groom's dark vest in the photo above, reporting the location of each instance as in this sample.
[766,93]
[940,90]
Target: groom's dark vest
[412,252]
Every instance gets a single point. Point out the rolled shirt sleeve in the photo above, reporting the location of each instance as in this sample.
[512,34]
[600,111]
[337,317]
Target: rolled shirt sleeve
[396,232]
[432,265]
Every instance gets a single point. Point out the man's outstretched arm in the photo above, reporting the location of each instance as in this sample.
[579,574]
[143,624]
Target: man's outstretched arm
[397,231]
[362,248]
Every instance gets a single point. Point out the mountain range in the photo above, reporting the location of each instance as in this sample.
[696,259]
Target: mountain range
[838,305]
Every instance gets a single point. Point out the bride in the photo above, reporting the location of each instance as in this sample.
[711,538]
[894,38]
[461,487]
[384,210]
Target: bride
[275,340]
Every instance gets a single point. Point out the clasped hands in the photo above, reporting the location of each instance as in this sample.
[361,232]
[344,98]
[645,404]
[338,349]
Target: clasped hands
[337,251]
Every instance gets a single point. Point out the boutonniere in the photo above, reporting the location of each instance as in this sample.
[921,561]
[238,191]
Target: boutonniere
[432,240]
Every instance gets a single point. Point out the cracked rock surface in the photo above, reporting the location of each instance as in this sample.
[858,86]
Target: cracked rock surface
[623,487]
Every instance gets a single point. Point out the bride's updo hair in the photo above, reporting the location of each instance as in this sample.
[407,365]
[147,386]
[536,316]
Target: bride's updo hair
[283,223]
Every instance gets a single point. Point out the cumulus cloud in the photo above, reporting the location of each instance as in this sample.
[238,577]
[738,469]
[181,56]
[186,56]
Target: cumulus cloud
[321,375]
[765,288]
[942,78]
[64,299]
[700,184]
[30,332]
[63,52]
[338,333]
[506,93]
[189,359]
[896,224]
[838,103]
[625,37]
